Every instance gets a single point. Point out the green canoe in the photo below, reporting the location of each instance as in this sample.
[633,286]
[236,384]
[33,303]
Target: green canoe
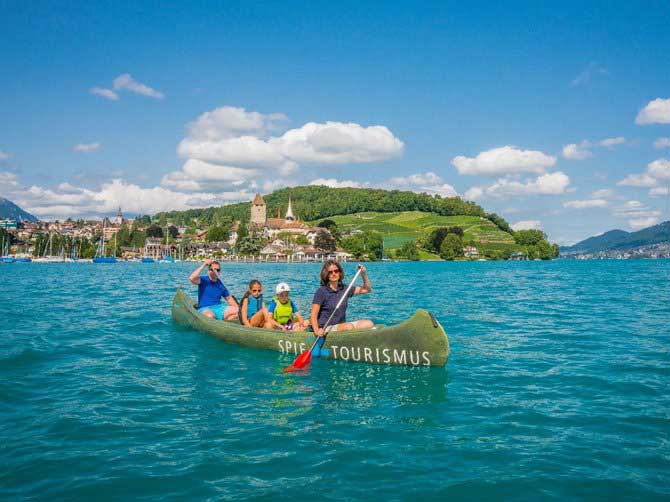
[418,341]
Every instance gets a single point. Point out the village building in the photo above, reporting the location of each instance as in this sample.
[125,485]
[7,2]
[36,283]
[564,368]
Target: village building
[272,227]
[470,252]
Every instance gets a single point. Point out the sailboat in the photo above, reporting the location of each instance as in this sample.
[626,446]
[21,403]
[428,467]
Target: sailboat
[5,258]
[49,258]
[100,255]
[167,257]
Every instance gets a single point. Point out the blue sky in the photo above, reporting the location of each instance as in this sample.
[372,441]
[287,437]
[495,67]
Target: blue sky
[555,116]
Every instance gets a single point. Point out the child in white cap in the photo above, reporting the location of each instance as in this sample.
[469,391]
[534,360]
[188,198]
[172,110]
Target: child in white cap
[282,312]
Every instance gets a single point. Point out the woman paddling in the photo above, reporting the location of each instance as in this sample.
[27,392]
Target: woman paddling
[326,298]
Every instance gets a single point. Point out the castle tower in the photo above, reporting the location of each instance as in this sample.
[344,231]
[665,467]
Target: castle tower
[289,212]
[258,211]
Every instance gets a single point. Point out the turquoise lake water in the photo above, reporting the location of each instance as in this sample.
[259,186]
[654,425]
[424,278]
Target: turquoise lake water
[558,386]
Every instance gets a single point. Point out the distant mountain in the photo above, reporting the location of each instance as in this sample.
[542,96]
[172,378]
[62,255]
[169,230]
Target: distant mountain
[619,240]
[10,210]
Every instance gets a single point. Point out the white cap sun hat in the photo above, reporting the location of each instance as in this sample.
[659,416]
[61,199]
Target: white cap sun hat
[281,287]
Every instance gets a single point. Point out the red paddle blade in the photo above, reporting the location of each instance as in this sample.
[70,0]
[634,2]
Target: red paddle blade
[300,363]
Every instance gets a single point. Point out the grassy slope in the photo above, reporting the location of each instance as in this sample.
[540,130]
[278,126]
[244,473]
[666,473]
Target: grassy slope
[409,225]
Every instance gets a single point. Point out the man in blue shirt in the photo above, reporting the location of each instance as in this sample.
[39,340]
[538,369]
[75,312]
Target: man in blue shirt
[210,292]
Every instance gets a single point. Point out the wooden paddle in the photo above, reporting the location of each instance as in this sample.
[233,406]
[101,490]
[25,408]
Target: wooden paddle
[303,360]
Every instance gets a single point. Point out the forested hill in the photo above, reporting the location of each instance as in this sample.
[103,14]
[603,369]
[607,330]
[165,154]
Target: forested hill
[10,210]
[617,240]
[315,202]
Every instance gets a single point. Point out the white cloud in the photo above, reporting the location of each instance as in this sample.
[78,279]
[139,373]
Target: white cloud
[333,183]
[243,151]
[444,190]
[659,191]
[637,180]
[429,178]
[527,225]
[126,82]
[338,143]
[231,122]
[661,143]
[588,74]
[612,142]
[4,156]
[235,138]
[8,179]
[654,112]
[504,160]
[271,185]
[105,93]
[659,169]
[197,175]
[638,215]
[581,151]
[640,223]
[86,147]
[575,151]
[474,193]
[584,204]
[429,183]
[548,184]
[603,193]
[68,200]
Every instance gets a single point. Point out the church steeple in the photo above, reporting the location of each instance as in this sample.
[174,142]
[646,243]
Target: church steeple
[119,217]
[289,211]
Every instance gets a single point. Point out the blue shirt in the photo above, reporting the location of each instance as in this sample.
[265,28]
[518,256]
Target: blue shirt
[327,299]
[210,292]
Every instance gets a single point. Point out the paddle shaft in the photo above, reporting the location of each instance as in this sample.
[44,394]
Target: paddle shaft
[346,292]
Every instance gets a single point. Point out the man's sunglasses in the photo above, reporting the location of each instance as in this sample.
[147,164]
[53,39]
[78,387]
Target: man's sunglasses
[215,269]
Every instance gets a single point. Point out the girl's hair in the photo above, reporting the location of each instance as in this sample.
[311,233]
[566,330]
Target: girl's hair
[252,283]
[324,272]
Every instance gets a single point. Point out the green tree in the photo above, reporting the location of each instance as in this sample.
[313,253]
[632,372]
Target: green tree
[366,245]
[331,226]
[529,237]
[173,231]
[408,251]
[452,247]
[123,237]
[242,231]
[500,222]
[437,236]
[154,231]
[138,239]
[249,245]
[324,241]
[302,240]
[144,220]
[217,234]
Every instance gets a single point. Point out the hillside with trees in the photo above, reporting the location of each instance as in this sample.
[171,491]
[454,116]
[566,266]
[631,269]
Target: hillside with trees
[376,223]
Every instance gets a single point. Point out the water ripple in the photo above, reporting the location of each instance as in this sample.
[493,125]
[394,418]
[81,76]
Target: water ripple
[557,387]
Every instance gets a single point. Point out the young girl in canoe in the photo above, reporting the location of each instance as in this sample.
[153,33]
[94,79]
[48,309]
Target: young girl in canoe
[252,306]
[330,292]
[282,312]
